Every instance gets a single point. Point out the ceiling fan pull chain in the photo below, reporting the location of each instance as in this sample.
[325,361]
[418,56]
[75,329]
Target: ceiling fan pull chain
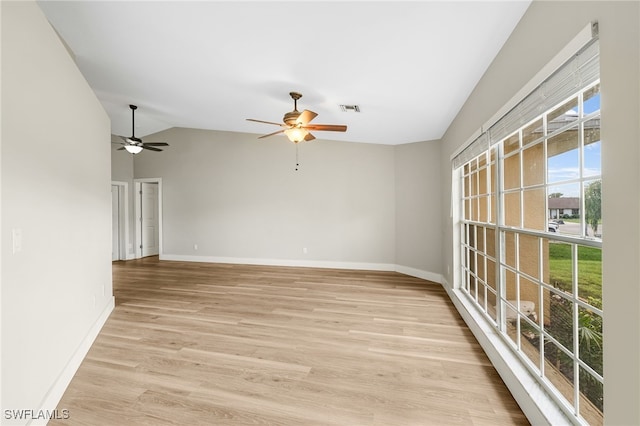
[297,162]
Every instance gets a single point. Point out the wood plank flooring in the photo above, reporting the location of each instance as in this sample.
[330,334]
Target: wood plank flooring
[218,344]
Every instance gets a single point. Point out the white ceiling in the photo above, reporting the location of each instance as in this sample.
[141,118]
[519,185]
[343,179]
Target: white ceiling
[410,66]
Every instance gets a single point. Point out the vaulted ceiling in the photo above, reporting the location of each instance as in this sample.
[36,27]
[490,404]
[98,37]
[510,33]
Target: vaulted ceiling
[409,66]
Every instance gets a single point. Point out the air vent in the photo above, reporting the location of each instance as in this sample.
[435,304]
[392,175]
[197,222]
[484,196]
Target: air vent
[347,108]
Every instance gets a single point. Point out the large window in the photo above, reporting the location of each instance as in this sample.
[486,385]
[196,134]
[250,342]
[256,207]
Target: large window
[531,245]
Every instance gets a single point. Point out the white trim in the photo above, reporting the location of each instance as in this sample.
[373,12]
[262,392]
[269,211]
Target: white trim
[418,273]
[55,393]
[365,266]
[124,217]
[281,262]
[537,405]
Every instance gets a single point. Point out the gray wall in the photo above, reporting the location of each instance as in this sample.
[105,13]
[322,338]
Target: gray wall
[418,230]
[349,204]
[543,31]
[239,197]
[55,174]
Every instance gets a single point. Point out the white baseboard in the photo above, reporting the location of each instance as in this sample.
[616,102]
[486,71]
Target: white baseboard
[418,273]
[281,262]
[56,391]
[536,404]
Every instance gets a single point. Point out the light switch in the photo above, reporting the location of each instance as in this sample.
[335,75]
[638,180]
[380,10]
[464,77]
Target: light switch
[17,240]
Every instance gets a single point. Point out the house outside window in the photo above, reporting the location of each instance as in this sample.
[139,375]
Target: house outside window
[536,278]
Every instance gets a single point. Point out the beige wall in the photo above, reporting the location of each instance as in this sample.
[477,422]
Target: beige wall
[55,168]
[542,33]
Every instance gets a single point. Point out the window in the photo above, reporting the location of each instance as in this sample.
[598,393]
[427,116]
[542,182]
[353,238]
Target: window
[531,242]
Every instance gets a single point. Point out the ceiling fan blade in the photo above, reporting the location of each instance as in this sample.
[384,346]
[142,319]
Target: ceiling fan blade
[155,144]
[305,117]
[150,148]
[327,127]
[120,149]
[271,134]
[309,137]
[266,122]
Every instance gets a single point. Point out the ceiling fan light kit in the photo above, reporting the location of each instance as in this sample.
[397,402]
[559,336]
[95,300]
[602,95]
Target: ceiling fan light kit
[135,145]
[297,125]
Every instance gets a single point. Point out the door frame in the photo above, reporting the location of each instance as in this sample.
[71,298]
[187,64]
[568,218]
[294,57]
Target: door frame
[123,218]
[137,218]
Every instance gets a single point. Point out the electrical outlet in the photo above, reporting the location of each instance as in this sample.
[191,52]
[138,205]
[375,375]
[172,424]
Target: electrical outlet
[17,240]
[304,250]
[195,247]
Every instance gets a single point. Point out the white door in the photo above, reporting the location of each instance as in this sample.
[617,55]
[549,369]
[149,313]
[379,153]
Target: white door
[149,219]
[115,222]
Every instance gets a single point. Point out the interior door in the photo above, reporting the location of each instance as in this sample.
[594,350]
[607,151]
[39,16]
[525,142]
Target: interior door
[115,222]
[149,219]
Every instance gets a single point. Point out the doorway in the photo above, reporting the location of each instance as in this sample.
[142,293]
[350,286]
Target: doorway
[148,217]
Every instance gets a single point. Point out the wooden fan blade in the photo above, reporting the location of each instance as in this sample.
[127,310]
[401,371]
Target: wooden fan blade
[271,134]
[150,148]
[309,137]
[305,117]
[120,149]
[266,122]
[327,127]
[155,144]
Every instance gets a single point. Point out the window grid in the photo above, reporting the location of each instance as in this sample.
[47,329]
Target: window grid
[513,317]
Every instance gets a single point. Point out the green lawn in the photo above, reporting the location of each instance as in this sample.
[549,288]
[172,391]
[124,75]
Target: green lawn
[589,270]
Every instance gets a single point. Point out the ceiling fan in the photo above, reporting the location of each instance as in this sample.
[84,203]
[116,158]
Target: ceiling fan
[297,125]
[135,145]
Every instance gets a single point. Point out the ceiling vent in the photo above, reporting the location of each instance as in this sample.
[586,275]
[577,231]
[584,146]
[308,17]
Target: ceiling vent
[347,108]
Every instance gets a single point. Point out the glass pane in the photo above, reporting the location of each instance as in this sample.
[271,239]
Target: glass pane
[563,115]
[593,208]
[591,100]
[529,303]
[473,187]
[465,186]
[480,235]
[559,370]
[512,172]
[529,255]
[480,268]
[492,208]
[562,156]
[491,304]
[590,338]
[471,239]
[535,216]
[532,132]
[482,296]
[491,274]
[483,209]
[561,321]
[467,209]
[482,180]
[593,390]
[510,249]
[590,275]
[511,292]
[533,165]
[530,342]
[592,160]
[482,160]
[512,209]
[512,143]
[564,209]
[560,266]
[491,242]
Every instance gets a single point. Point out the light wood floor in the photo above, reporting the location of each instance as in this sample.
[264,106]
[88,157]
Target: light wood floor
[211,344]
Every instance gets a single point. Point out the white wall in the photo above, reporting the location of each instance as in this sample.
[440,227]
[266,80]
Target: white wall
[55,167]
[543,31]
[241,198]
